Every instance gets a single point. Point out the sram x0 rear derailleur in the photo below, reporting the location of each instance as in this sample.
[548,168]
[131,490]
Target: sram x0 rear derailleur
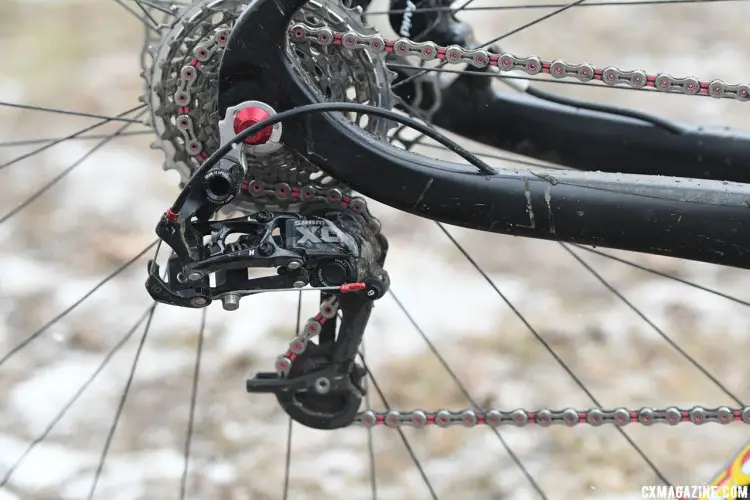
[334,247]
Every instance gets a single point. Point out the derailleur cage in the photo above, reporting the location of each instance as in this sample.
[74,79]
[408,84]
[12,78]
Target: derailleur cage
[316,393]
[323,388]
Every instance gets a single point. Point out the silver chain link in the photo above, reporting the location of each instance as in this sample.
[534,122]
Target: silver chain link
[569,417]
[328,310]
[533,65]
[282,191]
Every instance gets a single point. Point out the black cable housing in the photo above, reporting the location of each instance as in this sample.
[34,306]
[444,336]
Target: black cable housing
[324,107]
[602,108]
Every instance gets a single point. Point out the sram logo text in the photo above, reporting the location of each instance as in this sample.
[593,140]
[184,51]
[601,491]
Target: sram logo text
[405,29]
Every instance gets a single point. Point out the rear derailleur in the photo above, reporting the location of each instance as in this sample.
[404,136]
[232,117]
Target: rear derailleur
[330,246]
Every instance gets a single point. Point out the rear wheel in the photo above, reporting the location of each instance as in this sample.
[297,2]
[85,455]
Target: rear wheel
[472,320]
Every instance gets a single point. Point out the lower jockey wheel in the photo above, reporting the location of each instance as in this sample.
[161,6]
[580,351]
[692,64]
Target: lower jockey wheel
[314,393]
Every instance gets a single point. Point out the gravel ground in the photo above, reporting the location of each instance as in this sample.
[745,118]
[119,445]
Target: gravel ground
[83,55]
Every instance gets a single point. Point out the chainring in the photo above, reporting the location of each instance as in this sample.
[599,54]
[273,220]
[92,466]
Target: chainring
[181,75]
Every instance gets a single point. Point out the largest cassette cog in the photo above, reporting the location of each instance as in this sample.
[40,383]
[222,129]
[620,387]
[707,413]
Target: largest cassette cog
[182,93]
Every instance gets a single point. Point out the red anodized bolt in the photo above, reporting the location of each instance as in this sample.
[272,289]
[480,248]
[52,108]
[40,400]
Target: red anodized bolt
[248,117]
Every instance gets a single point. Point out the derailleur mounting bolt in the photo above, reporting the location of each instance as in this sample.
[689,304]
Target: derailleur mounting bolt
[248,117]
[295,264]
[230,302]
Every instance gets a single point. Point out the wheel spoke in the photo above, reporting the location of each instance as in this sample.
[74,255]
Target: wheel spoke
[136,15]
[497,39]
[77,303]
[142,5]
[464,6]
[662,274]
[76,396]
[32,142]
[549,349]
[154,5]
[150,9]
[466,393]
[73,135]
[121,405]
[126,390]
[288,457]
[370,443]
[47,186]
[117,118]
[193,401]
[653,325]
[423,10]
[401,434]
[536,21]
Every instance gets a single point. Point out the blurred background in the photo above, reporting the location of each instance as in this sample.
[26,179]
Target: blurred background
[83,55]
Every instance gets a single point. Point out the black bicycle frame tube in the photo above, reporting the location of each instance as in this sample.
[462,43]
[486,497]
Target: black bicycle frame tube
[694,219]
[590,140]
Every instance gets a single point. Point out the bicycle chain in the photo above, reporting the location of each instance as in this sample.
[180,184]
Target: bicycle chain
[569,417]
[697,415]
[532,65]
[328,310]
[282,191]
